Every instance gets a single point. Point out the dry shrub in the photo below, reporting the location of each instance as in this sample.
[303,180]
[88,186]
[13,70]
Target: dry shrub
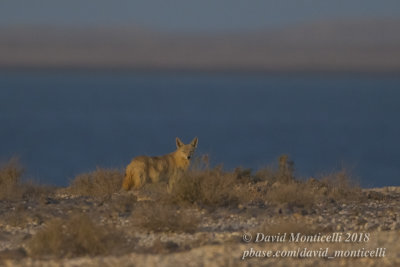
[337,186]
[10,176]
[282,187]
[341,186]
[200,162]
[32,190]
[153,191]
[76,236]
[210,187]
[244,175]
[13,188]
[164,218]
[293,193]
[99,183]
[282,173]
[268,174]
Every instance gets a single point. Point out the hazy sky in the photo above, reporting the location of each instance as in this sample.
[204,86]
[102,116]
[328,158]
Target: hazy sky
[190,15]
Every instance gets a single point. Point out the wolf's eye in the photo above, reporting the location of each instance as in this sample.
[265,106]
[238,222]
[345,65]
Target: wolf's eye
[189,157]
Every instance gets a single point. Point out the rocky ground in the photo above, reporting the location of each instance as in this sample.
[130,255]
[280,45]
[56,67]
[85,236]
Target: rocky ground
[209,236]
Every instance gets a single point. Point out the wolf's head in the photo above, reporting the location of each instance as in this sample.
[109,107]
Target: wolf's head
[186,151]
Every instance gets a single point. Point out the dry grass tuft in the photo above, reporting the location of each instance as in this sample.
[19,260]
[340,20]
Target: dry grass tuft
[209,187]
[12,187]
[99,183]
[294,193]
[165,218]
[10,176]
[215,187]
[281,186]
[32,190]
[337,186]
[76,236]
[282,173]
[341,186]
[276,184]
[154,191]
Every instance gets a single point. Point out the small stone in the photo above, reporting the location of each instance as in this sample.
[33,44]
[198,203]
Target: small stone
[370,226]
[396,226]
[383,228]
[361,220]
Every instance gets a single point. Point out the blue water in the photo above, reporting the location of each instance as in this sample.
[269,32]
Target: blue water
[62,123]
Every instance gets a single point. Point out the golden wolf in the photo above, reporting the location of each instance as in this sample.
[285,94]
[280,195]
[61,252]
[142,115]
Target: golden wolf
[167,168]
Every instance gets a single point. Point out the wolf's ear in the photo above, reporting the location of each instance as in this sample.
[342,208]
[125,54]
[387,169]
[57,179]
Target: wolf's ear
[179,143]
[194,142]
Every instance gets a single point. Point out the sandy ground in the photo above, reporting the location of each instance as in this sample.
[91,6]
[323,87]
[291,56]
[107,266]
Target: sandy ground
[222,237]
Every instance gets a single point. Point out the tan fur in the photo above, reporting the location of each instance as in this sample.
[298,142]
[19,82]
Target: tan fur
[143,169]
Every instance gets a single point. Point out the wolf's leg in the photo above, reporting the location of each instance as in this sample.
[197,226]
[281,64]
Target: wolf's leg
[128,182]
[173,179]
[139,179]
